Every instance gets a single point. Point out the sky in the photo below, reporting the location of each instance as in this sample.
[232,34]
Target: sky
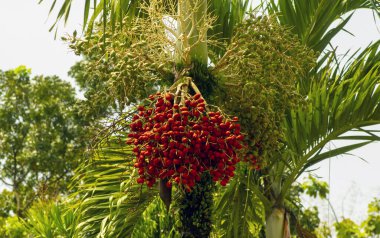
[25,40]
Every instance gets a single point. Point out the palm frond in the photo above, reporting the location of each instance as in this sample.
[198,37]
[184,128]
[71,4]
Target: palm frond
[316,22]
[112,201]
[49,219]
[228,14]
[337,103]
[110,11]
[239,210]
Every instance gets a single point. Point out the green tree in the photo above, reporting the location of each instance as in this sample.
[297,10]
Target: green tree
[348,228]
[334,100]
[370,227]
[40,138]
[372,223]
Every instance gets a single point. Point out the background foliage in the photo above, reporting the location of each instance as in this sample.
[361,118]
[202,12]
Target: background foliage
[41,138]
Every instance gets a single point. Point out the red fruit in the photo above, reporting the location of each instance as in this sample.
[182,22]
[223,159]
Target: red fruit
[185,113]
[163,175]
[201,109]
[201,104]
[193,172]
[141,171]
[156,161]
[135,117]
[181,169]
[231,168]
[140,180]
[193,103]
[197,96]
[171,172]
[197,127]
[176,142]
[168,184]
[177,116]
[191,183]
[223,182]
[196,113]
[168,97]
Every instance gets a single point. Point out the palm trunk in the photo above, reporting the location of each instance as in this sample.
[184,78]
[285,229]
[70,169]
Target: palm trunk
[277,224]
[277,219]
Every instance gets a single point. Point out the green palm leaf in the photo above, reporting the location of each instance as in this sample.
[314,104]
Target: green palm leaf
[338,103]
[239,209]
[227,13]
[112,201]
[49,219]
[314,20]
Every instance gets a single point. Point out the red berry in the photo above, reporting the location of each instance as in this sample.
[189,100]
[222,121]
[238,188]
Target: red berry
[140,180]
[168,184]
[181,143]
[223,182]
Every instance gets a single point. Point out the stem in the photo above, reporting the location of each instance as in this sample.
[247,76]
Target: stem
[277,224]
[165,193]
[192,42]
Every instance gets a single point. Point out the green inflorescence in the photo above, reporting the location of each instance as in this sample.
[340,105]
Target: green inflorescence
[258,79]
[195,209]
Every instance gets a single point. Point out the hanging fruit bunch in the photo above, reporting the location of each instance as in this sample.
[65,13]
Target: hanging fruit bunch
[176,137]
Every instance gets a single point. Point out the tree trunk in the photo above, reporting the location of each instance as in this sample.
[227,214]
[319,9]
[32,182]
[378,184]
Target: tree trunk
[277,224]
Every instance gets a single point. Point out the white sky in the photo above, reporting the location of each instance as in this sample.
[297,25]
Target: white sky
[25,40]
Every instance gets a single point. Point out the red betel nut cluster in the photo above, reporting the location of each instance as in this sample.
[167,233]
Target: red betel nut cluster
[179,143]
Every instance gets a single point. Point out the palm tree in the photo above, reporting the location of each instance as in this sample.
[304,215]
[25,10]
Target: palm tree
[338,100]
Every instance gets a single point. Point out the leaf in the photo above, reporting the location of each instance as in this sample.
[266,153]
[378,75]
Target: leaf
[316,21]
[351,101]
[112,201]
